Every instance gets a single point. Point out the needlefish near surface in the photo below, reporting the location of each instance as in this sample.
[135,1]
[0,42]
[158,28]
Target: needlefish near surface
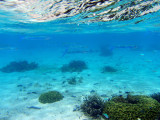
[124,46]
[76,51]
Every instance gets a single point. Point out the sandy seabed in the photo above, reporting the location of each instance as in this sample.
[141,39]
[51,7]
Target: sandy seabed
[138,73]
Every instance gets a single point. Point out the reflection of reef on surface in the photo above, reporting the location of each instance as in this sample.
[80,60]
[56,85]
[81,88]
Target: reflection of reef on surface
[73,15]
[19,67]
[74,66]
[132,108]
[95,10]
[50,97]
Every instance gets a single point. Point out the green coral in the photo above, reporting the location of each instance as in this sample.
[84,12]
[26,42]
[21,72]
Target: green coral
[50,97]
[132,108]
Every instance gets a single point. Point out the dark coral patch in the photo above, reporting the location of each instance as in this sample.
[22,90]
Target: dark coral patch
[74,80]
[156,96]
[19,66]
[93,106]
[74,66]
[108,69]
[105,51]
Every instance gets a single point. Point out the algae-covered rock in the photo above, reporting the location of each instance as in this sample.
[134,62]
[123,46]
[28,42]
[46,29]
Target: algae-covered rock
[50,97]
[132,108]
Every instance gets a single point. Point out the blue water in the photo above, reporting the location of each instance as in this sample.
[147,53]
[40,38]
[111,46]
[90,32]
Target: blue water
[35,32]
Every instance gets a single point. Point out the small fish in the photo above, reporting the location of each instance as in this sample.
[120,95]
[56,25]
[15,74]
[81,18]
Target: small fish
[34,107]
[19,85]
[73,96]
[65,52]
[106,99]
[76,108]
[106,116]
[141,54]
[139,21]
[32,93]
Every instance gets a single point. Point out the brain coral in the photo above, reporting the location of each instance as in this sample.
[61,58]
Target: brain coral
[50,97]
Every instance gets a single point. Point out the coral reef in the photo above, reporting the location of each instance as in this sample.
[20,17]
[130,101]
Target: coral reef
[105,51]
[132,108]
[74,80]
[74,66]
[156,96]
[109,69]
[50,97]
[19,66]
[93,106]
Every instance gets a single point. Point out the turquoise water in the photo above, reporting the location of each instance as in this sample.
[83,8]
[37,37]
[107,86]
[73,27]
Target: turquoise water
[117,40]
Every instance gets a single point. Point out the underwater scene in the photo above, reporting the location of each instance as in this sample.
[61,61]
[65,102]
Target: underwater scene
[79,59]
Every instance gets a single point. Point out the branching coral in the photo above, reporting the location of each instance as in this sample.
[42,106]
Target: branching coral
[156,96]
[93,106]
